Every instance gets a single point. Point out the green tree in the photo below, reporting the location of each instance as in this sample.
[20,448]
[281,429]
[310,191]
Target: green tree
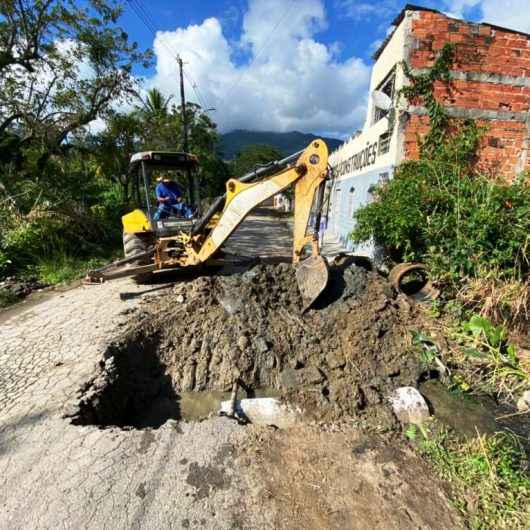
[253,156]
[155,104]
[162,129]
[114,147]
[61,67]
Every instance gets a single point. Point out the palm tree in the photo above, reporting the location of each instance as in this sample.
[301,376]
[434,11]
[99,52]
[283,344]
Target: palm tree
[155,104]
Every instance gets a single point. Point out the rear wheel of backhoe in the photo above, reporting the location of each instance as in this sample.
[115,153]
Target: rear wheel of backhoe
[134,244]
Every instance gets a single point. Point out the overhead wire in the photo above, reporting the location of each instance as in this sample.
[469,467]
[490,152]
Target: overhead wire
[146,19]
[195,88]
[140,14]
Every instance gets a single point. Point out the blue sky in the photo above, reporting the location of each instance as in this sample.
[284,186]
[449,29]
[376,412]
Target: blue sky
[282,64]
[353,27]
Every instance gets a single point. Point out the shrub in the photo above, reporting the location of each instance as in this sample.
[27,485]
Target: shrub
[458,223]
[48,234]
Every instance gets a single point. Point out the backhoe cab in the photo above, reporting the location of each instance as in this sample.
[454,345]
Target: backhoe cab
[142,168]
[152,245]
[141,229]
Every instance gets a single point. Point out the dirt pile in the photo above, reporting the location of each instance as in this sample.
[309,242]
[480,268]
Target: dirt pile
[339,360]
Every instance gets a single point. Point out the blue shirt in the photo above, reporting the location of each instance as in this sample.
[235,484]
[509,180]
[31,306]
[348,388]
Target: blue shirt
[168,190]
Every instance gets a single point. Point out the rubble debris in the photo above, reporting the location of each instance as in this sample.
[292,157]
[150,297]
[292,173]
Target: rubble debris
[337,361]
[409,406]
[262,411]
[412,279]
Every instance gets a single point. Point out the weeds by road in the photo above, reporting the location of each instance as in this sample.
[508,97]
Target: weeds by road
[488,472]
[489,475]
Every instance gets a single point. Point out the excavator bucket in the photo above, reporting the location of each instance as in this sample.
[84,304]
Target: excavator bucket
[312,277]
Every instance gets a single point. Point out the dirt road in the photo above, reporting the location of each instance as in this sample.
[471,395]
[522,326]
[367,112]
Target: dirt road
[210,474]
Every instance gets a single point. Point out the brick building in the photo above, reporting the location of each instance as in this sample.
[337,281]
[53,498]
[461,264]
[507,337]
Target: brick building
[490,82]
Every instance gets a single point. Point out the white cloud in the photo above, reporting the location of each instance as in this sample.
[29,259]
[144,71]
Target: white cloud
[361,11]
[291,80]
[376,44]
[513,14]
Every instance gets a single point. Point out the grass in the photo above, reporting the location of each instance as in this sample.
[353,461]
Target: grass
[489,477]
[56,270]
[490,363]
[480,357]
[506,302]
[62,268]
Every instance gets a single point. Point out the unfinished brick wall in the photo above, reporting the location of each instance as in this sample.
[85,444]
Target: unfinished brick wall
[490,83]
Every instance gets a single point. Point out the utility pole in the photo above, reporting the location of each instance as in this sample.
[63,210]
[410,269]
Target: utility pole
[193,185]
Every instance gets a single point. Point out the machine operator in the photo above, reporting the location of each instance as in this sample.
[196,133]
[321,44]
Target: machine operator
[169,199]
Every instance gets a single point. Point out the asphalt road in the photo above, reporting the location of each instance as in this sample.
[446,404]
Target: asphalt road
[57,475]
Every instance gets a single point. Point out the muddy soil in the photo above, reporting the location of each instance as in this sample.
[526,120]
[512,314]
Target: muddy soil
[338,361]
[312,479]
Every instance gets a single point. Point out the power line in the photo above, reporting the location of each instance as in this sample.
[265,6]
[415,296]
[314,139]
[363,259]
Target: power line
[139,13]
[148,22]
[195,88]
[146,19]
[262,48]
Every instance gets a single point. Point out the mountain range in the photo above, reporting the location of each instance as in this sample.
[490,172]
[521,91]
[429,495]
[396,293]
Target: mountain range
[289,142]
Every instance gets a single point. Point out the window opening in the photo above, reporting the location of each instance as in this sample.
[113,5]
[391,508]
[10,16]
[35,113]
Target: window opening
[387,87]
[384,143]
[350,200]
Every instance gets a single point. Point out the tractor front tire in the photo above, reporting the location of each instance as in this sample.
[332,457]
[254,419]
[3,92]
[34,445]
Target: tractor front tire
[134,244]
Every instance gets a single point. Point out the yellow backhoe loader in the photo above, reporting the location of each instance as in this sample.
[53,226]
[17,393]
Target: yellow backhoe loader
[153,245]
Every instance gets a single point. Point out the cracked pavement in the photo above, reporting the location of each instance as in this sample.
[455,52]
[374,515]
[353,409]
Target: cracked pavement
[57,475]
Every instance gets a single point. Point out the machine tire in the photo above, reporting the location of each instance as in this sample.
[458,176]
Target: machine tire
[134,244]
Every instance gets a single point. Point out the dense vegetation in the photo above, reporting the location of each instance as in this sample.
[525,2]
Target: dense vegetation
[460,224]
[71,114]
[440,210]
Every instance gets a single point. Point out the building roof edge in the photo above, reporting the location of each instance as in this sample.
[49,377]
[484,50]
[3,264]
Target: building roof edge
[412,7]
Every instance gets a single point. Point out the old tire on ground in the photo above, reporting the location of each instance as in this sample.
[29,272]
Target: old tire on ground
[134,244]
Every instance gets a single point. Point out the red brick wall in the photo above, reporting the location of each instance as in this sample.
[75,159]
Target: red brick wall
[480,49]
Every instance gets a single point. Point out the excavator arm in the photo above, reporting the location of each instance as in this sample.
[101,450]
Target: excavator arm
[308,173]
[307,176]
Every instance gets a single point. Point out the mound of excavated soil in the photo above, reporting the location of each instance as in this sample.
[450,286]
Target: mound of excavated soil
[339,360]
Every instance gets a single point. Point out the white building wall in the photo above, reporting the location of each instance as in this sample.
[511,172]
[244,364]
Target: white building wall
[358,165]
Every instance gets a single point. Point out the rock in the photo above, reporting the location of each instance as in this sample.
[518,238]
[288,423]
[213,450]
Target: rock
[242,342]
[409,406]
[260,345]
[264,411]
[179,299]
[523,403]
[231,303]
